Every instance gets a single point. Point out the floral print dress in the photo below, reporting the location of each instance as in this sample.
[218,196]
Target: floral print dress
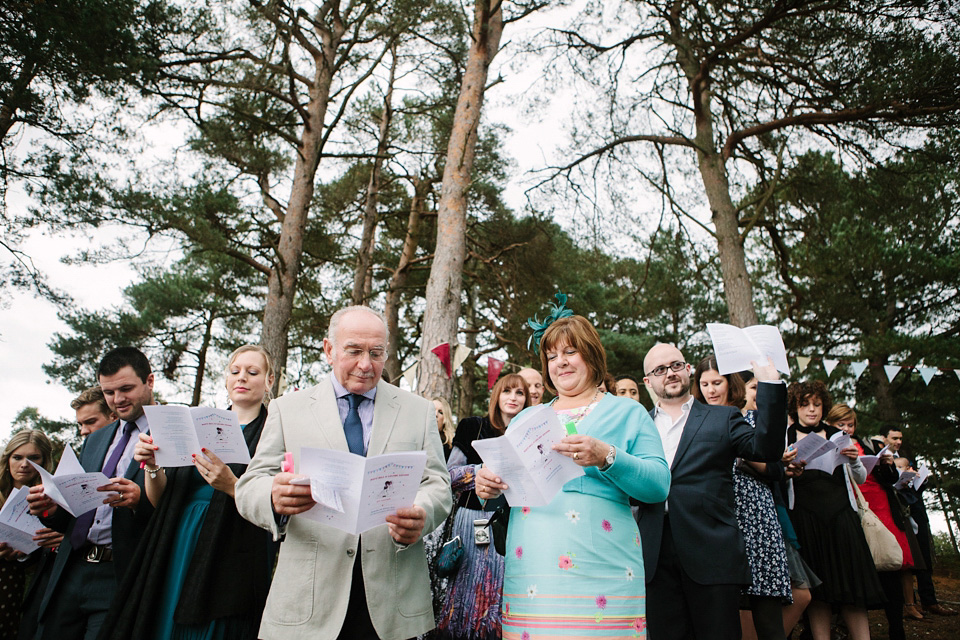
[574,568]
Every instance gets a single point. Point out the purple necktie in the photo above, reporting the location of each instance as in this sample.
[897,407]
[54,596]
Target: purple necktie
[81,527]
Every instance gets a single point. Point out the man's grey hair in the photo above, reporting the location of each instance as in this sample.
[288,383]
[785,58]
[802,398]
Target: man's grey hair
[336,317]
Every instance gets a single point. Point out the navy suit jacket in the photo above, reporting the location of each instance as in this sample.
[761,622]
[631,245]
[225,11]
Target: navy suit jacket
[128,525]
[701,502]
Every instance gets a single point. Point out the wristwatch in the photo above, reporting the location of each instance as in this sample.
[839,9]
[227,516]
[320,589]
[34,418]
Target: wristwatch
[611,456]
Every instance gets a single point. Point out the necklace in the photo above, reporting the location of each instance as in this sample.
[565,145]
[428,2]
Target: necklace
[581,412]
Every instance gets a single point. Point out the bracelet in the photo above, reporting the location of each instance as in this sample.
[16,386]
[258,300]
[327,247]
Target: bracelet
[153,472]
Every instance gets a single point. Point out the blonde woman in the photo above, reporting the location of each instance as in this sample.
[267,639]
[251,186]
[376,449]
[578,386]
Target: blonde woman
[203,571]
[445,425]
[24,447]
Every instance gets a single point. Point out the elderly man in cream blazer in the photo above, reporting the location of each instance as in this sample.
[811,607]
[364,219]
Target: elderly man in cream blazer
[330,584]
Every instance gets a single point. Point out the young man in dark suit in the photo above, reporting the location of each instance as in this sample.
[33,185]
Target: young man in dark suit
[693,552]
[97,545]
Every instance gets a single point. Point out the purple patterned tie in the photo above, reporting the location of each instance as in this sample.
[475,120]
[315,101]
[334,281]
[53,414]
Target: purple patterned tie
[81,528]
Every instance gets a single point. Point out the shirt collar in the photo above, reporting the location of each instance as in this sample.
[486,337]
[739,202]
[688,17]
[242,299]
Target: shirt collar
[685,409]
[341,392]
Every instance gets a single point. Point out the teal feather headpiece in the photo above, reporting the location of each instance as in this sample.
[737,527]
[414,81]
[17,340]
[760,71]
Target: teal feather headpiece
[559,311]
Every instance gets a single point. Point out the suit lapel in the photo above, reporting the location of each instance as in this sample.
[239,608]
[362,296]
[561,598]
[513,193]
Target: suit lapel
[323,404]
[698,414]
[385,412]
[94,458]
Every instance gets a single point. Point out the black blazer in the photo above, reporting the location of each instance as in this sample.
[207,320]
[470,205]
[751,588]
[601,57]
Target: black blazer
[701,501]
[128,525]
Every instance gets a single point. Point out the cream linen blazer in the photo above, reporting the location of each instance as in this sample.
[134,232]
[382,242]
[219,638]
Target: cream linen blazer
[311,586]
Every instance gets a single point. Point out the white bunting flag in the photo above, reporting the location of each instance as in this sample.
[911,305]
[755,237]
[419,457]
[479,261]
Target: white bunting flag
[410,375]
[859,368]
[957,371]
[460,355]
[927,373]
[802,363]
[830,365]
[892,370]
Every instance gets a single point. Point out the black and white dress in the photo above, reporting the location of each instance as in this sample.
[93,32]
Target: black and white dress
[762,536]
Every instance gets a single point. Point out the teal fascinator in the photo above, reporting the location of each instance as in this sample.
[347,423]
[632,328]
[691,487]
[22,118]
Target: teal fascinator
[558,311]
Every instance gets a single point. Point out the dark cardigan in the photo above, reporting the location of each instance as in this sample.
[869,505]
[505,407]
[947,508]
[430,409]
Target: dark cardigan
[230,572]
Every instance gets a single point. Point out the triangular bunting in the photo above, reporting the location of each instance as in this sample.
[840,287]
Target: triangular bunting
[927,373]
[802,363]
[891,370]
[494,367]
[410,375]
[462,353]
[443,352]
[829,365]
[859,368]
[957,371]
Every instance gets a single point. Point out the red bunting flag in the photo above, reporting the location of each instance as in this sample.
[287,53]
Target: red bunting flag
[494,367]
[443,352]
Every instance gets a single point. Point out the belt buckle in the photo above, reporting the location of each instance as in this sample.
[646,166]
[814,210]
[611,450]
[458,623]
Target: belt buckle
[94,553]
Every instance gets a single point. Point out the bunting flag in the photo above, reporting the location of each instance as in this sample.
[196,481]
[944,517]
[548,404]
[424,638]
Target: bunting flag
[859,368]
[410,375]
[442,351]
[957,371]
[927,373]
[802,363]
[494,367]
[462,353]
[830,365]
[891,370]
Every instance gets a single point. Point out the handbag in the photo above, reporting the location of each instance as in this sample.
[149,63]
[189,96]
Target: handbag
[498,528]
[450,557]
[886,551]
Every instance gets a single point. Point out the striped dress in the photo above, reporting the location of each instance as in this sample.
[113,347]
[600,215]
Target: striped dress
[574,568]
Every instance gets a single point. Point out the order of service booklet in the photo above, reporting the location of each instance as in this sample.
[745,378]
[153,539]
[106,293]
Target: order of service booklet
[71,487]
[525,460]
[17,526]
[180,432]
[356,494]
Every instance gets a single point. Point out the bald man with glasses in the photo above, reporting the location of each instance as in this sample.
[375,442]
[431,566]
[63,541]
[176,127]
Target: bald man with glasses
[693,552]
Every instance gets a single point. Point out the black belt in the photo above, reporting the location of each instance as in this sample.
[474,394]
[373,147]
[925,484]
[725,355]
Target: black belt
[97,553]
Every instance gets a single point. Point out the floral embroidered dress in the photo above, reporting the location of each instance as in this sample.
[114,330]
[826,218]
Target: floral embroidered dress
[574,568]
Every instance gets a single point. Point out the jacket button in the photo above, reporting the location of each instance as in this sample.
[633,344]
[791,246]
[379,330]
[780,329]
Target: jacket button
[350,552]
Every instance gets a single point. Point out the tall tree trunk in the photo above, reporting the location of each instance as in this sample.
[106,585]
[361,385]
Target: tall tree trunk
[737,288]
[362,280]
[202,359]
[282,283]
[421,188]
[446,275]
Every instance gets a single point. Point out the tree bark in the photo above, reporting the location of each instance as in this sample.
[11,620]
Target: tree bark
[362,278]
[202,360]
[421,188]
[282,283]
[737,288]
[446,275]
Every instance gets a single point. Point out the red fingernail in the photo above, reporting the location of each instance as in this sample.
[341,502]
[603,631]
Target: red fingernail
[193,455]
[202,449]
[46,513]
[143,464]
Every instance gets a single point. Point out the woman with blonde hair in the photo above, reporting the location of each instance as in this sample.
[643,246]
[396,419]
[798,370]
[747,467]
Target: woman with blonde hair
[16,472]
[445,425]
[202,571]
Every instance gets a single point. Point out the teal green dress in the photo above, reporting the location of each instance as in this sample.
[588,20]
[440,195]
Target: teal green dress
[574,568]
[185,542]
[191,521]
